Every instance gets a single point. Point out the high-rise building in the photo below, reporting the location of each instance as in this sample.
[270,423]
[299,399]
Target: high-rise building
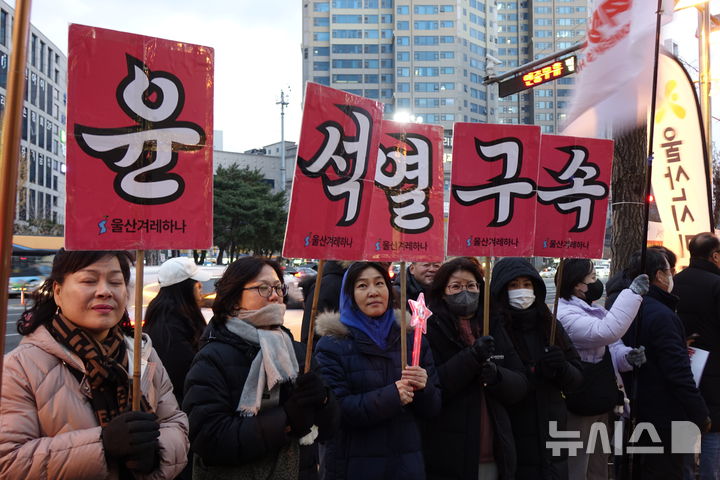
[41,185]
[529,30]
[425,60]
[428,59]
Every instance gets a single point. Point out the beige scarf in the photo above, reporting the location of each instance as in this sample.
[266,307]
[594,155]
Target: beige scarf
[274,364]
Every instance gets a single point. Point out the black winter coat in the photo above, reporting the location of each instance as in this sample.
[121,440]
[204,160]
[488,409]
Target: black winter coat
[616,284]
[329,299]
[451,441]
[666,389]
[379,438]
[218,433]
[698,288]
[174,341]
[528,330]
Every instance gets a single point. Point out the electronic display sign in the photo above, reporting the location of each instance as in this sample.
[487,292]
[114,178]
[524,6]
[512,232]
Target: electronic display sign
[543,74]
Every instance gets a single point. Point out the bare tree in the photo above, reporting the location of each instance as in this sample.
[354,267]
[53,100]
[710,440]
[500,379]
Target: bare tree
[629,175]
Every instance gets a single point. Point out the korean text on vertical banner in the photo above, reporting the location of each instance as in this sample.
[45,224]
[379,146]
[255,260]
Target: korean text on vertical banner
[494,176]
[140,113]
[333,183]
[407,201]
[572,196]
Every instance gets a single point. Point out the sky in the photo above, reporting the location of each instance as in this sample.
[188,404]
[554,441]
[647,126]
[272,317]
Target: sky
[257,52]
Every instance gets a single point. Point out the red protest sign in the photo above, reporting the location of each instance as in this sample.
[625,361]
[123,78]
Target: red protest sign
[407,201]
[333,182]
[140,142]
[572,196]
[494,176]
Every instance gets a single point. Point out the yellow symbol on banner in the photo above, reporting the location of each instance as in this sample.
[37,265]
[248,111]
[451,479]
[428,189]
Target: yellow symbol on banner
[670,98]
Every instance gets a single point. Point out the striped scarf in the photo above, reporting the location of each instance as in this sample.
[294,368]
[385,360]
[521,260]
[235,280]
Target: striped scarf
[106,366]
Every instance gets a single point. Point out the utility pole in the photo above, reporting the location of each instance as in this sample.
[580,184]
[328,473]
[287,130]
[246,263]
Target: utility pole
[283,103]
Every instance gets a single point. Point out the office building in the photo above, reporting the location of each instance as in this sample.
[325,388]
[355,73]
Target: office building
[41,185]
[427,60]
[529,30]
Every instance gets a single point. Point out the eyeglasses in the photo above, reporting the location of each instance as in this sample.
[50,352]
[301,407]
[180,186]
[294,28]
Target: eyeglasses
[266,290]
[457,287]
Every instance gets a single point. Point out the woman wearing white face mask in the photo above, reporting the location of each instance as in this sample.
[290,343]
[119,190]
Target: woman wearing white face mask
[519,294]
[595,333]
[471,439]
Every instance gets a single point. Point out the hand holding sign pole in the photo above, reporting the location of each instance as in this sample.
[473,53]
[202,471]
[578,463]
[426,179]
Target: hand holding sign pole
[418,320]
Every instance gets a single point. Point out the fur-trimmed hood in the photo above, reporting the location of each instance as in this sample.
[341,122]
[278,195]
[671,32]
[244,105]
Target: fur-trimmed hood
[329,324]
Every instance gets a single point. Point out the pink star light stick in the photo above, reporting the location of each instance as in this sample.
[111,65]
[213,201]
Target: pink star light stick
[418,320]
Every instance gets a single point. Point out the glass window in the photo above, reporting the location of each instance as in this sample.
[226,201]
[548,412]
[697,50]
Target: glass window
[403,87]
[32,166]
[3,27]
[403,72]
[425,9]
[371,19]
[344,48]
[322,80]
[347,33]
[347,78]
[321,51]
[321,21]
[345,63]
[372,93]
[426,40]
[447,8]
[321,6]
[347,3]
[372,78]
[348,18]
[321,36]
[403,10]
[321,66]
[402,25]
[425,25]
[403,56]
[427,55]
[403,41]
[372,34]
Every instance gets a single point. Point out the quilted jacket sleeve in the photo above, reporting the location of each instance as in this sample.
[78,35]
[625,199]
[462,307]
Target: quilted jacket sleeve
[25,453]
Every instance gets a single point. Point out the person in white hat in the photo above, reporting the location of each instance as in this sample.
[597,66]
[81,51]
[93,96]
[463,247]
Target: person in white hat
[175,323]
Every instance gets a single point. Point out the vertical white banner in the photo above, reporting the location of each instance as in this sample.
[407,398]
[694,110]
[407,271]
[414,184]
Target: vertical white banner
[680,175]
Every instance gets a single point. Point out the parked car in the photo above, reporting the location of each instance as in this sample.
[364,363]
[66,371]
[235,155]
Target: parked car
[27,278]
[548,272]
[304,272]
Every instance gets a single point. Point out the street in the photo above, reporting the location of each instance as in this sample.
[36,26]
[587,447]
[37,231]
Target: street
[12,338]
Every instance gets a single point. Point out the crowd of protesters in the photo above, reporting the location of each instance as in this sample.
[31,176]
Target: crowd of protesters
[232,400]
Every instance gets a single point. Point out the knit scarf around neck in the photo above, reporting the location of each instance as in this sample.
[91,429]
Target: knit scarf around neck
[275,362]
[106,367]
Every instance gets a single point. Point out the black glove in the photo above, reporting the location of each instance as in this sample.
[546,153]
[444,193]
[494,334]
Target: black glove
[130,434]
[483,348]
[552,363]
[489,374]
[311,390]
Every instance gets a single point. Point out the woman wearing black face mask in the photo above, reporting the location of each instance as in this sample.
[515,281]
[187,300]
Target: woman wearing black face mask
[596,334]
[479,375]
[551,369]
